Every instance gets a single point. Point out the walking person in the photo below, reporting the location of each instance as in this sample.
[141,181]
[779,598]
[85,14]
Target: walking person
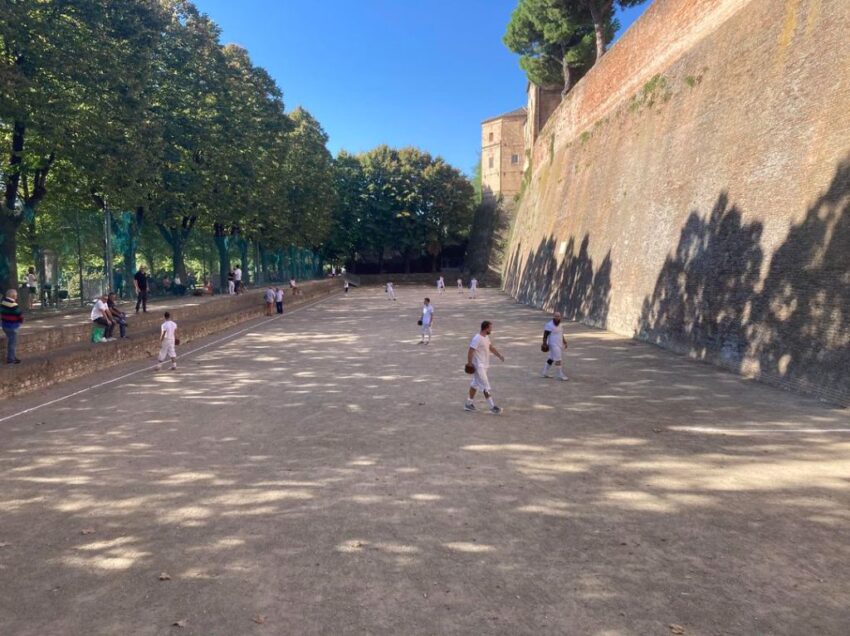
[231,282]
[31,287]
[441,285]
[553,346]
[345,287]
[11,317]
[167,342]
[140,285]
[237,279]
[390,291]
[477,364]
[459,285]
[278,299]
[426,322]
[100,315]
[473,288]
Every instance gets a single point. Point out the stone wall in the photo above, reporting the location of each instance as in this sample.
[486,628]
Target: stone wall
[77,357]
[693,190]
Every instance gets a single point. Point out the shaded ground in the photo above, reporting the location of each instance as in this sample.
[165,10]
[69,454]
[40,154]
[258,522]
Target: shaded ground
[319,475]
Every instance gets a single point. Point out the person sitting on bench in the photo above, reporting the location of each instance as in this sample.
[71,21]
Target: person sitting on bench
[100,316]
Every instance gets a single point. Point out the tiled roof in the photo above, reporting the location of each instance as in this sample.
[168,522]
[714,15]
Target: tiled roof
[519,112]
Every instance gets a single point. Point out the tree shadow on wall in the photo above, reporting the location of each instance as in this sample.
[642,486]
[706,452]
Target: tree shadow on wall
[570,282]
[792,329]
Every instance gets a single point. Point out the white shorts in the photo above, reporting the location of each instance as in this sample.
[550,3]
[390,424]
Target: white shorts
[167,350]
[555,354]
[480,381]
[425,330]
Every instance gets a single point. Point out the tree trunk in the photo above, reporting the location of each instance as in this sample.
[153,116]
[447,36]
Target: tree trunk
[434,258]
[8,251]
[407,261]
[568,77]
[176,237]
[243,256]
[597,15]
[222,244]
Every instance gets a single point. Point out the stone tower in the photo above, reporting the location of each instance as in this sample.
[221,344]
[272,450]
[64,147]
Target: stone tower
[502,155]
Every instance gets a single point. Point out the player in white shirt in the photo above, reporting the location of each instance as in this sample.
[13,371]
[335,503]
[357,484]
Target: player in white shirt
[100,315]
[441,285]
[237,280]
[167,342]
[477,363]
[390,292]
[426,321]
[553,346]
[473,288]
[269,298]
[278,299]
[459,285]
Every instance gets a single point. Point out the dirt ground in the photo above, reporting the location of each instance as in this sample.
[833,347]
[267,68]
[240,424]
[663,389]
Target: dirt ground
[318,475]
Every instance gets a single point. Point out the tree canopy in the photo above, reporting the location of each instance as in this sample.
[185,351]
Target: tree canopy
[559,40]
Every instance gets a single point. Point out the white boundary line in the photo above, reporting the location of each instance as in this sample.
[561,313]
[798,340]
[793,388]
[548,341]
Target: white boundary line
[143,369]
[710,429]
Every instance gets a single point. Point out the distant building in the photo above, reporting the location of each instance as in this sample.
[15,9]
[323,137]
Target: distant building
[502,154]
[507,140]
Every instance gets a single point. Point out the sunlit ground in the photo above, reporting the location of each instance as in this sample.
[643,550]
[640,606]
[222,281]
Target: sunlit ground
[320,472]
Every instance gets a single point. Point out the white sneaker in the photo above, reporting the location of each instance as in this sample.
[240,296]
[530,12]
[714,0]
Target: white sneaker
[563,378]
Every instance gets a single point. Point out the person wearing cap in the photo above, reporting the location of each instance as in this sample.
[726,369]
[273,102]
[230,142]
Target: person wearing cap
[140,284]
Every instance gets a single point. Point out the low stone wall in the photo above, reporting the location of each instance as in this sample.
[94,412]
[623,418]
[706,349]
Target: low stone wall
[80,357]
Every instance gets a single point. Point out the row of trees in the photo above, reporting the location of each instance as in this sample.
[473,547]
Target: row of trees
[134,105]
[401,201]
[133,111]
[559,40]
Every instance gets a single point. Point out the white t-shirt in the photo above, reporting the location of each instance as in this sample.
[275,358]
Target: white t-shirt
[169,327]
[98,310]
[389,287]
[473,283]
[269,295]
[460,282]
[279,296]
[440,283]
[556,335]
[30,280]
[427,313]
[481,357]
[237,274]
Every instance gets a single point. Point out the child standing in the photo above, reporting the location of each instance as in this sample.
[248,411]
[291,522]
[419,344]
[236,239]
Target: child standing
[278,299]
[167,342]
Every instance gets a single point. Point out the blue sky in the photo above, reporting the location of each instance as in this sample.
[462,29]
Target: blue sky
[401,72]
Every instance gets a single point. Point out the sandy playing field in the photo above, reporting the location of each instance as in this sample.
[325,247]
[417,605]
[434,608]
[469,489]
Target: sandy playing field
[318,475]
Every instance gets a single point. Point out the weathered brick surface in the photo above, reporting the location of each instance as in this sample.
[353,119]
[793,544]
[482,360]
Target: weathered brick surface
[81,357]
[694,191]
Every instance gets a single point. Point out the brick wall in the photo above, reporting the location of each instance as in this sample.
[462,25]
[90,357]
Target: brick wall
[693,190]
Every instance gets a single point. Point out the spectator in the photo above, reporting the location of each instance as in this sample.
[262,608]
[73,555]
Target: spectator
[117,315]
[191,281]
[140,284]
[278,298]
[100,316]
[231,282]
[31,287]
[293,286]
[269,298]
[166,284]
[178,287]
[237,278]
[208,288]
[12,317]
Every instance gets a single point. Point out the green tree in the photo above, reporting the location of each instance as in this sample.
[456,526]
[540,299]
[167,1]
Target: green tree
[602,15]
[52,110]
[555,41]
